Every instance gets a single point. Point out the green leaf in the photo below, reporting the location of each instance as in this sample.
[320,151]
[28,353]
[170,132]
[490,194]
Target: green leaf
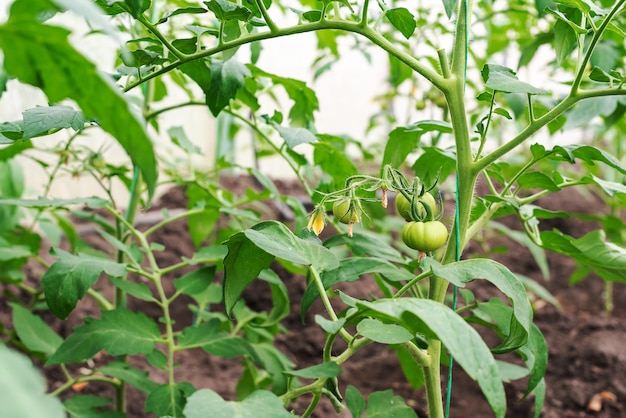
[197,284]
[587,6]
[14,149]
[126,373]
[178,136]
[135,7]
[334,161]
[119,332]
[4,79]
[366,244]
[328,369]
[587,153]
[280,297]
[69,278]
[15,252]
[588,109]
[332,327]
[606,55]
[112,7]
[88,406]
[22,389]
[295,136]
[404,140]
[139,290]
[413,372]
[510,372]
[169,401]
[355,401]
[592,251]
[11,132]
[462,341]
[41,55]
[503,79]
[227,78]
[385,405]
[537,180]
[611,188]
[36,335]
[435,163]
[182,10]
[450,5]
[254,249]
[210,337]
[465,271]
[133,254]
[305,100]
[242,265]
[227,10]
[43,119]
[402,20]
[565,40]
[205,403]
[383,333]
[534,352]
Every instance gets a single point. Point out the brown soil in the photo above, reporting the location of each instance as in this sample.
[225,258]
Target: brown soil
[587,351]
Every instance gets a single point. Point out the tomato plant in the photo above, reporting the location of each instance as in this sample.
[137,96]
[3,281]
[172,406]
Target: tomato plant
[444,58]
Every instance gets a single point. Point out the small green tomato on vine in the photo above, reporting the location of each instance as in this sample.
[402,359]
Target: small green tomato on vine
[345,212]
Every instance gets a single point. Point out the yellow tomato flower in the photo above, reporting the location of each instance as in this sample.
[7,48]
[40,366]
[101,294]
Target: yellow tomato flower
[316,222]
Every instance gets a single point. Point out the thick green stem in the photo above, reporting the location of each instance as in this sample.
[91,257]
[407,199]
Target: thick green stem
[432,380]
[454,90]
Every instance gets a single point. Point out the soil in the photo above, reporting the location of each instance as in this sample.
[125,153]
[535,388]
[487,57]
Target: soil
[586,374]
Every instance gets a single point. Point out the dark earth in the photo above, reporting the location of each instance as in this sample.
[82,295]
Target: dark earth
[586,374]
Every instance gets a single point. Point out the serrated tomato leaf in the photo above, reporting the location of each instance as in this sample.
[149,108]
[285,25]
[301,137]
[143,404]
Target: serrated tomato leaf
[403,20]
[71,276]
[42,119]
[118,332]
[503,79]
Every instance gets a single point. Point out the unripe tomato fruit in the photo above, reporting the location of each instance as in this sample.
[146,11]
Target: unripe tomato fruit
[343,212]
[403,206]
[425,236]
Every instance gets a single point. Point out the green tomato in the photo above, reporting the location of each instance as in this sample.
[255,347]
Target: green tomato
[403,206]
[344,212]
[425,236]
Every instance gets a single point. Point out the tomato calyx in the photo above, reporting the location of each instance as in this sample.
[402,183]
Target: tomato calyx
[420,208]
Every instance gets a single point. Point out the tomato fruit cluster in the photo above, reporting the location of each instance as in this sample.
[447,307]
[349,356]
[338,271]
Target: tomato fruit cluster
[424,236]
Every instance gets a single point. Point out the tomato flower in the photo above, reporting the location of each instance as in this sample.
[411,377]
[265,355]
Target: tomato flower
[316,221]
